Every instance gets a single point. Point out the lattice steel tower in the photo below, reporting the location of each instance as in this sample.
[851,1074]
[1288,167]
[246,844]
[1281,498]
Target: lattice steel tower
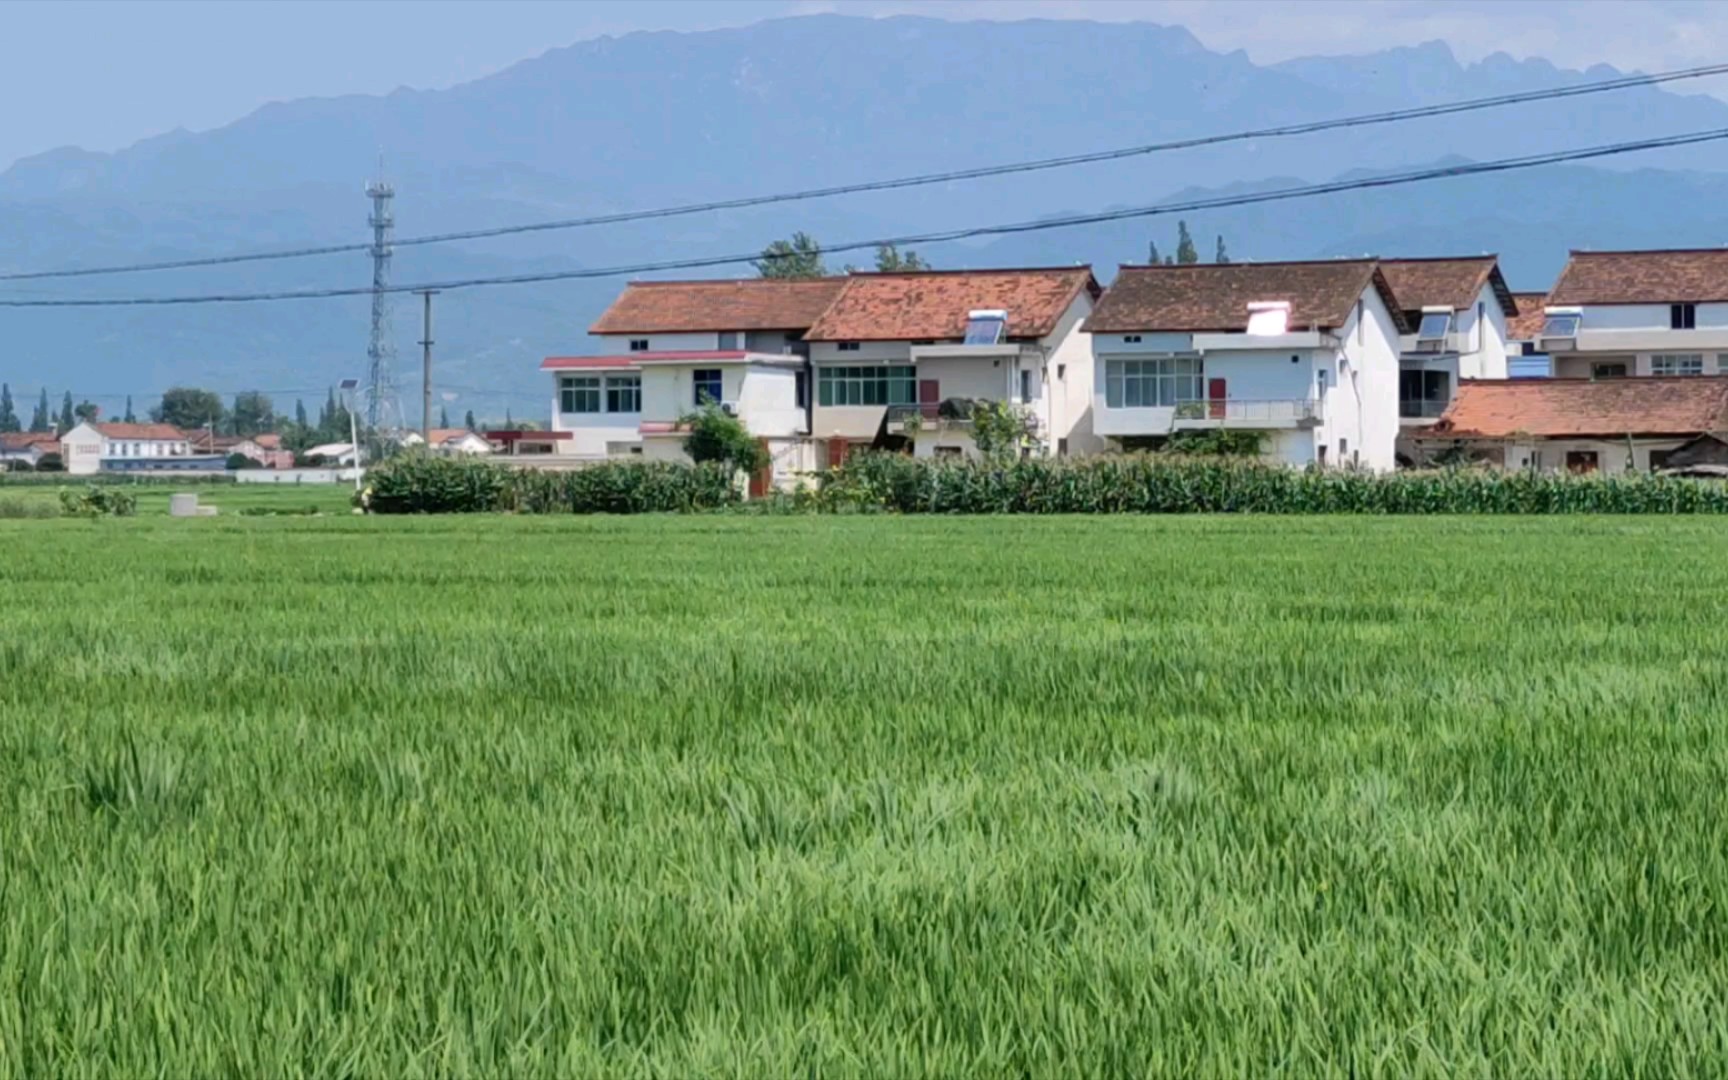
[382,409]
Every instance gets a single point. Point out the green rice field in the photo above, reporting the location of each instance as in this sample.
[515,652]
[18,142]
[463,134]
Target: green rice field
[863,796]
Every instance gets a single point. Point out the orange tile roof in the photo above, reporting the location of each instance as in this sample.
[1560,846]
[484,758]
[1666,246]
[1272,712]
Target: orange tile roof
[671,307]
[933,305]
[1582,408]
[141,431]
[1527,324]
[1214,298]
[1449,282]
[1643,277]
[444,435]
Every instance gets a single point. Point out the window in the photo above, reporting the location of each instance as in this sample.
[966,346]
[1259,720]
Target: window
[1580,462]
[801,389]
[1659,459]
[1320,383]
[1608,371]
[1434,327]
[985,327]
[1343,448]
[1561,325]
[1423,393]
[709,385]
[949,452]
[1025,385]
[1140,384]
[1682,316]
[728,341]
[1677,363]
[847,346]
[1061,447]
[1130,339]
[624,393]
[639,344]
[579,394]
[880,385]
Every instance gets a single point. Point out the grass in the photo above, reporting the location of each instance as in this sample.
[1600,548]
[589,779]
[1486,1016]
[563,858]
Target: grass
[863,796]
[250,499]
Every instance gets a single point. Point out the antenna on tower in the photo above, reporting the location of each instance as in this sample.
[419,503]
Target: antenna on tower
[381,404]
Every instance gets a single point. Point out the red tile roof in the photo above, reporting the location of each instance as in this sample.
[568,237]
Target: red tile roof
[1451,282]
[934,305]
[24,440]
[630,360]
[1214,298]
[671,307]
[444,435]
[145,432]
[1643,277]
[1527,324]
[1582,408]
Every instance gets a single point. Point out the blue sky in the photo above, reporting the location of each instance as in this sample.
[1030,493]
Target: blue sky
[103,74]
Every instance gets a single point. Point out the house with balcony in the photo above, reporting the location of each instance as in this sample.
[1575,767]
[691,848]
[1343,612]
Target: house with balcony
[668,347]
[1524,356]
[1305,353]
[1624,314]
[900,359]
[1455,311]
[1583,425]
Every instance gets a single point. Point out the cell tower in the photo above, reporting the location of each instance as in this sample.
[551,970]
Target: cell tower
[382,410]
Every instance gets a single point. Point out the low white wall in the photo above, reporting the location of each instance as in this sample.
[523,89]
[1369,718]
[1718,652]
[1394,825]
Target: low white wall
[293,476]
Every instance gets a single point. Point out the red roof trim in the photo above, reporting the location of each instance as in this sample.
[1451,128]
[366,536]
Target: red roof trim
[630,360]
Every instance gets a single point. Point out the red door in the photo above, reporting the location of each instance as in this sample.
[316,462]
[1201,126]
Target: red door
[763,479]
[1215,395]
[929,397]
[836,453]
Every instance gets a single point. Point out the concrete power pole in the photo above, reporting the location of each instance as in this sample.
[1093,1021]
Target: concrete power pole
[426,366]
[381,405]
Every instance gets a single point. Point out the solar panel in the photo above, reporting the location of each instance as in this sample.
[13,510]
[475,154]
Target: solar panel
[1435,324]
[984,329]
[1560,326]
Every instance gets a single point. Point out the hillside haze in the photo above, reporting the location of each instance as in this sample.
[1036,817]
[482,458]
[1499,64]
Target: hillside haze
[664,118]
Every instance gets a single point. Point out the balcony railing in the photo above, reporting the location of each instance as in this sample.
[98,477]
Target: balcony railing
[1421,408]
[1291,411]
[928,417]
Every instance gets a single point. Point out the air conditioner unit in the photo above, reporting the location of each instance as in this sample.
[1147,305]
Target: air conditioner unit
[730,408]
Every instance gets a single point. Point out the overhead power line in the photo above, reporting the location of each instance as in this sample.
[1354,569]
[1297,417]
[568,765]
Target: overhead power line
[1060,222]
[982,172]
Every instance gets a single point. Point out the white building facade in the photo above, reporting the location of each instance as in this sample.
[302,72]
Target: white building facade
[1631,314]
[88,448]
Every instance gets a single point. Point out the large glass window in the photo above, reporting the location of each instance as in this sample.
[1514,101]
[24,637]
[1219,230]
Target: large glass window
[881,385]
[624,393]
[579,394]
[1423,393]
[1677,364]
[709,385]
[1139,384]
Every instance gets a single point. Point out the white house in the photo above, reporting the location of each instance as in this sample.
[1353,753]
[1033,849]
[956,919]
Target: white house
[340,453]
[896,356]
[451,442]
[1524,356]
[89,447]
[1306,353]
[29,447]
[1616,314]
[672,346]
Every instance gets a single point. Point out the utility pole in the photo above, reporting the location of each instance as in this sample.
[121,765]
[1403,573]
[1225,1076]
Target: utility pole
[426,367]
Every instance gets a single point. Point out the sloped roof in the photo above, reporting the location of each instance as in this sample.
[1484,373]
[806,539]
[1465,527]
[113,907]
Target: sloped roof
[1214,298]
[933,305]
[672,307]
[1643,277]
[141,431]
[1451,282]
[1527,324]
[1577,408]
[24,440]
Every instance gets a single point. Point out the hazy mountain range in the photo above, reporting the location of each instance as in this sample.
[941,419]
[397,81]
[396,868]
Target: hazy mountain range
[665,118]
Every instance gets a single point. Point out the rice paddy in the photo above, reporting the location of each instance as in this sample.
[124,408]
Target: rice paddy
[863,796]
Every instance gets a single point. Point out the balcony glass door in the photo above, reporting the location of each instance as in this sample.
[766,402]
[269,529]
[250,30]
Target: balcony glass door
[1423,394]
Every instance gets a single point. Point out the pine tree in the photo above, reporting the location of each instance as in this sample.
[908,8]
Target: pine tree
[130,418]
[444,417]
[67,420]
[328,416]
[299,414]
[1152,258]
[1220,256]
[8,414]
[509,424]
[1186,255]
[42,420]
[470,420]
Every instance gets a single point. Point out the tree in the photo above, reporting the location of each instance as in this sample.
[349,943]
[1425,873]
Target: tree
[889,259]
[444,417]
[800,257]
[1219,255]
[1152,258]
[68,420]
[1185,253]
[718,436]
[188,408]
[253,414]
[509,424]
[239,461]
[42,419]
[469,420]
[129,418]
[87,412]
[1000,431]
[8,413]
[299,414]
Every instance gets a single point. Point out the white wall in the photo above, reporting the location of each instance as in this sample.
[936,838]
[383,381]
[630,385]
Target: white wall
[593,431]
[768,401]
[81,450]
[1487,358]
[1362,398]
[1611,456]
[869,352]
[1149,342]
[1069,381]
[1647,317]
[620,343]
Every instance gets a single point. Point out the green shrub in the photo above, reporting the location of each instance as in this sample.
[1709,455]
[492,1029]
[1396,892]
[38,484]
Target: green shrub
[719,437]
[94,500]
[420,484]
[27,508]
[1160,484]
